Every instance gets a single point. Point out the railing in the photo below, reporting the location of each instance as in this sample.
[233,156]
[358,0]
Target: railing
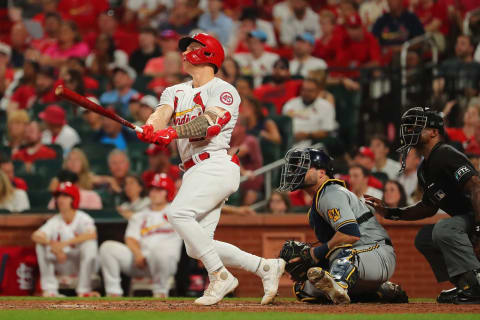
[427,39]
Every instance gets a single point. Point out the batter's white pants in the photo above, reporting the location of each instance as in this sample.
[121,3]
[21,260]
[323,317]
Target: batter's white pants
[81,260]
[195,211]
[162,261]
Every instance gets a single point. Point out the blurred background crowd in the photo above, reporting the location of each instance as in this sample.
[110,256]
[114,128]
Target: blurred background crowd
[334,73]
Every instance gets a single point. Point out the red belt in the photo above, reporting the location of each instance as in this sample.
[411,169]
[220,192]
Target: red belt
[204,156]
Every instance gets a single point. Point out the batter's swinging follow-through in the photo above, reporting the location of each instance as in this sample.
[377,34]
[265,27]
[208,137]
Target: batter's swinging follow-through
[204,112]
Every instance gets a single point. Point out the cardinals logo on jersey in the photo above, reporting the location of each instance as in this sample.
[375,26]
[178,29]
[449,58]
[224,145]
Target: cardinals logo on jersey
[182,117]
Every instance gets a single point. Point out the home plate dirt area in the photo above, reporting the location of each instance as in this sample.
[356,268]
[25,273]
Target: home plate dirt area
[232,305]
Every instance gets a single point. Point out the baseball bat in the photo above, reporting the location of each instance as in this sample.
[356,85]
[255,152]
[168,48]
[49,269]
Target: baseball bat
[67,94]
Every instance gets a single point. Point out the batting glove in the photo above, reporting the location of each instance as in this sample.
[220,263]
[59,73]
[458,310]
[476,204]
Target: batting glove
[147,135]
[165,136]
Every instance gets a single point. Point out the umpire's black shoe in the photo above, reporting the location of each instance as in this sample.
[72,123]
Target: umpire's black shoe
[447,296]
[470,295]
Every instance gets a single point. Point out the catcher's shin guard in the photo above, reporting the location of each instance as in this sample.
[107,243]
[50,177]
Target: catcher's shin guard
[303,296]
[342,266]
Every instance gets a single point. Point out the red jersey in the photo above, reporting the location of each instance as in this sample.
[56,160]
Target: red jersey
[83,12]
[19,183]
[436,11]
[43,153]
[24,95]
[372,182]
[328,50]
[297,198]
[278,94]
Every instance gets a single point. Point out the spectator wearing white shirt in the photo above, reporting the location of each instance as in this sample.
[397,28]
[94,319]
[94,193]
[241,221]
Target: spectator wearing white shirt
[379,146]
[303,61]
[359,182]
[58,131]
[11,198]
[257,63]
[371,10]
[408,178]
[313,117]
[295,17]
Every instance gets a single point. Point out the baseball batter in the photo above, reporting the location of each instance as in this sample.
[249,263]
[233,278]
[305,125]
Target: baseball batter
[356,256]
[204,111]
[67,244]
[152,248]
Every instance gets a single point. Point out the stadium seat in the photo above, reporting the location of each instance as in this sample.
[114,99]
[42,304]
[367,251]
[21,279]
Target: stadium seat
[58,149]
[109,200]
[141,83]
[48,168]
[19,167]
[270,151]
[39,198]
[6,151]
[285,126]
[136,154]
[97,154]
[34,181]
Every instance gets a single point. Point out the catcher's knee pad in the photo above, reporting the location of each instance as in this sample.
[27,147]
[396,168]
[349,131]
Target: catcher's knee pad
[342,265]
[303,296]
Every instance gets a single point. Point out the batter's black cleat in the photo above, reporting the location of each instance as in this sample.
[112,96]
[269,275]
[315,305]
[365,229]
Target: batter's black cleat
[447,296]
[469,295]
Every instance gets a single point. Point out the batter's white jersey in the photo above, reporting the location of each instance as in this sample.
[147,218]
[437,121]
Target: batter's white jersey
[189,102]
[57,229]
[150,228]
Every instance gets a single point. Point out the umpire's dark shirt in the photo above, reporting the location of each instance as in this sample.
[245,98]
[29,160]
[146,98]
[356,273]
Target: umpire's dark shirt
[443,176]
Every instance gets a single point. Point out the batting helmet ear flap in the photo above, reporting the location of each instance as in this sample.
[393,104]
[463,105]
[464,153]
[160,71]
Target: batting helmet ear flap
[211,51]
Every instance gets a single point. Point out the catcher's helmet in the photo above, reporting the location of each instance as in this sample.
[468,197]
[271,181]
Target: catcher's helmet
[71,190]
[211,52]
[162,181]
[413,121]
[297,163]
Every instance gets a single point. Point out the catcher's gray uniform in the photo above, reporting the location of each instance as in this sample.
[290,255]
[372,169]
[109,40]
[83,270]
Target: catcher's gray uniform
[335,207]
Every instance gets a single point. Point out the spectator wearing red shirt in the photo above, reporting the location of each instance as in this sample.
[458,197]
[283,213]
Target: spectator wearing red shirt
[22,97]
[33,149]
[326,47]
[434,17]
[473,144]
[159,162]
[83,12]
[247,147]
[366,158]
[359,48]
[45,85]
[471,119]
[51,30]
[6,165]
[281,88]
[107,22]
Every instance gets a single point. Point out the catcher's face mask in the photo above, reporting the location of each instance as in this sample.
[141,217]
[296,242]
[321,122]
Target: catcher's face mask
[297,163]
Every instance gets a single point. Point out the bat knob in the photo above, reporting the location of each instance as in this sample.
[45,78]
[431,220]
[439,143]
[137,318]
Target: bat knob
[59,90]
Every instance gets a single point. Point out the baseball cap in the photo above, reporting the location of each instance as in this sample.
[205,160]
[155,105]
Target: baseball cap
[126,69]
[5,49]
[259,34]
[169,34]
[366,152]
[306,36]
[155,149]
[53,114]
[149,101]
[353,21]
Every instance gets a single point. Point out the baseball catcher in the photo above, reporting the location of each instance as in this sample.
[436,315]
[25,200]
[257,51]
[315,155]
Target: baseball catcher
[354,258]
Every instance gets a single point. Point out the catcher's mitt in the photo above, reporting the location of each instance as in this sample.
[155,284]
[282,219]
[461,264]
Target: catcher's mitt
[294,249]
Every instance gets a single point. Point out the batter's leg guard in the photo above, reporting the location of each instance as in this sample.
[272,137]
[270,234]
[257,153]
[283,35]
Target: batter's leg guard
[342,266]
[303,296]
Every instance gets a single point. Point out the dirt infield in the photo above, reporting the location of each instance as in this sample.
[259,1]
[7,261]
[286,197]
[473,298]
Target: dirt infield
[236,305]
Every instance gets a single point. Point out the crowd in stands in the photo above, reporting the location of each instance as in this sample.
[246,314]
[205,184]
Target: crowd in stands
[299,67]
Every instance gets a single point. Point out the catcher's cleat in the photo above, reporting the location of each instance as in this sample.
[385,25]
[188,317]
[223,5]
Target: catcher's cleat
[390,292]
[323,281]
[303,296]
[447,296]
[270,270]
[221,284]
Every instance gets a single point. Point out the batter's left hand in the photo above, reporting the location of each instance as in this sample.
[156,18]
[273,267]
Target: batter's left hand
[165,136]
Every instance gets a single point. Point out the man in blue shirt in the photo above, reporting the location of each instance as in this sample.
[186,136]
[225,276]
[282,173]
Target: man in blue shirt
[114,133]
[119,97]
[215,21]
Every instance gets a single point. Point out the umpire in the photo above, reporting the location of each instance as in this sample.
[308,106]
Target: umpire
[355,257]
[451,183]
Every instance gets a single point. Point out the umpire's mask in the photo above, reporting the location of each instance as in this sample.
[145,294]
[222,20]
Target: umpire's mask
[414,120]
[297,163]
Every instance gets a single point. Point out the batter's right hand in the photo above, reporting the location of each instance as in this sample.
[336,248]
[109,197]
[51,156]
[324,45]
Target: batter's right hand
[147,134]
[377,204]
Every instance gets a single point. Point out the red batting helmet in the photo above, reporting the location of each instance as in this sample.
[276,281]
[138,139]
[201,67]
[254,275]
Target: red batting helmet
[211,52]
[162,181]
[71,190]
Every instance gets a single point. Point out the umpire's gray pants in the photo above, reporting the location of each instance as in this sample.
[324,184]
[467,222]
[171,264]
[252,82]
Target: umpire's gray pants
[447,247]
[375,264]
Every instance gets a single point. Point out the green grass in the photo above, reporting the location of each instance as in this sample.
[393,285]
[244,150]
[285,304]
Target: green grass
[150,315]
